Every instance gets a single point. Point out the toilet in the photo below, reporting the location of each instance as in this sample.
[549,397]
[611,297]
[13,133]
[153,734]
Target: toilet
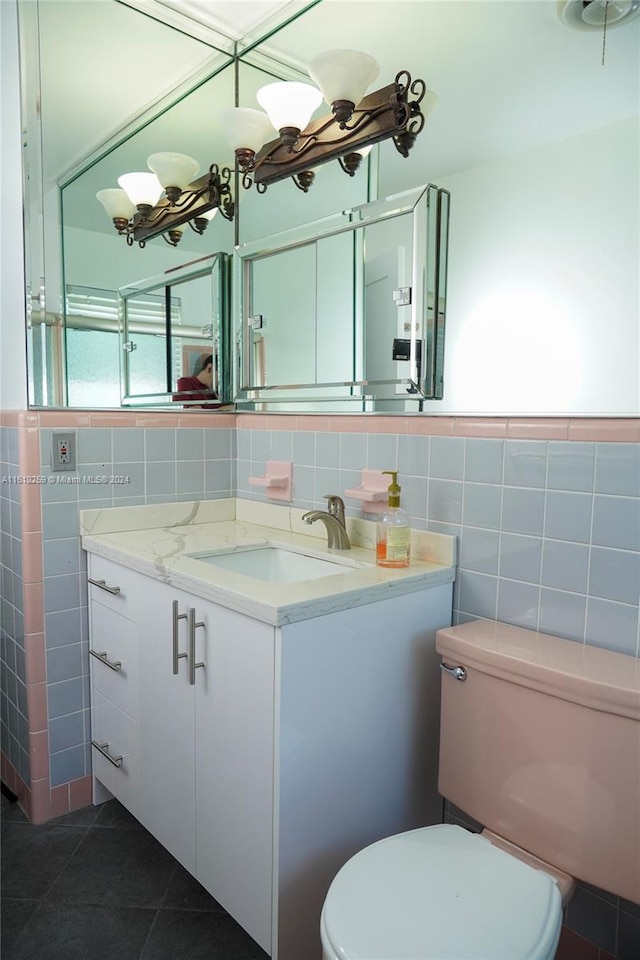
[540,742]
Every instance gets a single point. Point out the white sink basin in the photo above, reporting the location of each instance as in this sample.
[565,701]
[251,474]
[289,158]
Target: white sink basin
[275,564]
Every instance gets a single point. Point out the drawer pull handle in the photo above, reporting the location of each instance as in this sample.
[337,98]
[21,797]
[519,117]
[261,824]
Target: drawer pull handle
[103,586]
[102,657]
[193,666]
[103,749]
[176,617]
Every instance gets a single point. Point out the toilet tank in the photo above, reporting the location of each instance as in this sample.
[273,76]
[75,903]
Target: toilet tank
[541,744]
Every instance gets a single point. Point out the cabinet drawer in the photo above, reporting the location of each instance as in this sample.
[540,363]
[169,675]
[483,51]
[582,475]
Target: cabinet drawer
[114,658]
[115,733]
[117,585]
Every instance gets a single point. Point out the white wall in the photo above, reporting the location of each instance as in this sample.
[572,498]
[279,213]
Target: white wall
[13,361]
[542,310]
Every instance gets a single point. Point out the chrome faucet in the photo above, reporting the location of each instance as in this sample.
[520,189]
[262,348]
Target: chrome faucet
[334,520]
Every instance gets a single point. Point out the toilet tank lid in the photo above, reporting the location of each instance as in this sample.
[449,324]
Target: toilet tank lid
[596,678]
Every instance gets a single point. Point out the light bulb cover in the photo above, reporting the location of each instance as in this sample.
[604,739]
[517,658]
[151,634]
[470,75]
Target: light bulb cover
[116,202]
[173,169]
[143,189]
[289,103]
[245,128]
[596,13]
[343,74]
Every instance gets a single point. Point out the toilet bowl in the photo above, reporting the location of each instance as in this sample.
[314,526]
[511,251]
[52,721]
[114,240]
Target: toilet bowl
[440,893]
[527,723]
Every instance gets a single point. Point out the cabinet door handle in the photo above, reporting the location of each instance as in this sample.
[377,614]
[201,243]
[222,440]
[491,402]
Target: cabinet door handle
[103,586]
[193,666]
[177,656]
[103,748]
[102,657]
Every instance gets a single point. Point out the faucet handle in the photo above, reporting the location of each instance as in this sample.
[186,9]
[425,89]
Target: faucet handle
[335,506]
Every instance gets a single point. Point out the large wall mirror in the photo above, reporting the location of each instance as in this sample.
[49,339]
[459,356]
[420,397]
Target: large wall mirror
[535,137]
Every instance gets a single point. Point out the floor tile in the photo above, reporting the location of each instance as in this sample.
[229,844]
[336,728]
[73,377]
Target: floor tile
[84,817]
[11,812]
[115,867]
[34,856]
[185,893]
[113,814]
[189,935]
[82,932]
[13,917]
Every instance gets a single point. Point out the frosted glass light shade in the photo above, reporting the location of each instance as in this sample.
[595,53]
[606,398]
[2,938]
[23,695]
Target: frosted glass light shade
[288,103]
[116,203]
[343,74]
[141,188]
[173,169]
[429,102]
[208,214]
[246,128]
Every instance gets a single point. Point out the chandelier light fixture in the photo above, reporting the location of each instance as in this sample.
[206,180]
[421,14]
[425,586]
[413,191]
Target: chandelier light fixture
[163,201]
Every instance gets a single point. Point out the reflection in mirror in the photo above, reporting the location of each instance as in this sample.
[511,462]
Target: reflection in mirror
[541,318]
[344,310]
[86,144]
[174,336]
[94,255]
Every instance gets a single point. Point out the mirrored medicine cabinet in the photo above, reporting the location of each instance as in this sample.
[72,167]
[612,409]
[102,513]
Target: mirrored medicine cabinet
[169,326]
[348,311]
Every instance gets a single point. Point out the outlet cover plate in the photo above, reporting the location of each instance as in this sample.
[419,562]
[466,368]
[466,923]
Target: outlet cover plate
[63,450]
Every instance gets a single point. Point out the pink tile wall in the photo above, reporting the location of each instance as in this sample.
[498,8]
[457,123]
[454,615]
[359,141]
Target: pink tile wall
[614,430]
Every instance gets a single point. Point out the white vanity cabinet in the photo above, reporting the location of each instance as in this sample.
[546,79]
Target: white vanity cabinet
[206,745]
[113,665]
[265,756]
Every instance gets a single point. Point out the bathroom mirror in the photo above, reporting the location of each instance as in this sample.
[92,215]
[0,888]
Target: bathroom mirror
[169,326]
[541,318]
[98,122]
[344,310]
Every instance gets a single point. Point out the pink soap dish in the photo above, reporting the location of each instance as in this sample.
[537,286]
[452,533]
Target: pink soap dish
[277,480]
[372,492]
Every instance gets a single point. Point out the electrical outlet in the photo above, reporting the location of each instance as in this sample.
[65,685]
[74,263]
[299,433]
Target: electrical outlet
[63,450]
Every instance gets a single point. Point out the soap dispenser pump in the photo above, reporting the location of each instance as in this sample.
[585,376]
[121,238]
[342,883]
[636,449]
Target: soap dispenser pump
[393,530]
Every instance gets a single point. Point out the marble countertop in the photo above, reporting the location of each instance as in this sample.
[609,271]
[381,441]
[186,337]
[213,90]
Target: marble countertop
[158,540]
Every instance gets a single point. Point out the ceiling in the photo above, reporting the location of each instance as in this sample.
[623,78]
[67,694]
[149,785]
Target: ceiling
[509,75]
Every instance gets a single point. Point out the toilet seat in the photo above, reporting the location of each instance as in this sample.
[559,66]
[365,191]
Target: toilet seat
[440,893]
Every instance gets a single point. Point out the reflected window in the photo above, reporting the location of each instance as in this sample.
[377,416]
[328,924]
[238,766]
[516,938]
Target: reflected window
[93,346]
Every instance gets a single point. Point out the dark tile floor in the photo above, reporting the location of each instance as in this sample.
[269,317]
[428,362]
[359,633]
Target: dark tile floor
[95,885]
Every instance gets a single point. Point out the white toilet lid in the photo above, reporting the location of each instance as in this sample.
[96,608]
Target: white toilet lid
[440,893]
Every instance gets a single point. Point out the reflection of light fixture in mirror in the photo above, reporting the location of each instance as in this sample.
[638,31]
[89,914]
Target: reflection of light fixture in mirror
[289,106]
[175,171]
[594,14]
[140,211]
[344,77]
[597,15]
[351,161]
[202,221]
[356,122]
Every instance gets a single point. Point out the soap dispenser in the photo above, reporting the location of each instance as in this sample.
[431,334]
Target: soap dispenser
[394,531]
